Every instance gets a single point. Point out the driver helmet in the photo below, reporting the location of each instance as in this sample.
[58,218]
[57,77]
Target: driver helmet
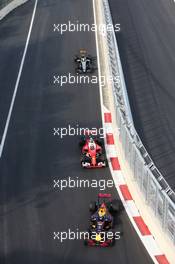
[91,144]
[102,211]
[91,140]
[83,58]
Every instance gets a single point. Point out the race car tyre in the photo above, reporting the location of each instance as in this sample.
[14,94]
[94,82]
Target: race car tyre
[114,206]
[82,142]
[85,158]
[78,70]
[93,207]
[101,158]
[100,142]
[93,59]
[112,241]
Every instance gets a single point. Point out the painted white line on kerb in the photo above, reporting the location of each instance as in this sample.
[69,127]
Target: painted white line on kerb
[17,81]
[98,60]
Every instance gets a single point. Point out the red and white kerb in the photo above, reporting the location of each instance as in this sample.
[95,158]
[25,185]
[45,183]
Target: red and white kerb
[140,226]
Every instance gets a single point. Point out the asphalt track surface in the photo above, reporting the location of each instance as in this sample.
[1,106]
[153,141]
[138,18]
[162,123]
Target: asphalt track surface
[30,209]
[146,43]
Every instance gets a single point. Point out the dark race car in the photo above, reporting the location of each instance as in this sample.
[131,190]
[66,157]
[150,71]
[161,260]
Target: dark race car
[92,149]
[84,63]
[101,231]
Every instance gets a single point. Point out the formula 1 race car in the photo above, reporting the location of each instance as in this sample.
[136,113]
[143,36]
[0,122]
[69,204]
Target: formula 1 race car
[85,63]
[92,152]
[101,231]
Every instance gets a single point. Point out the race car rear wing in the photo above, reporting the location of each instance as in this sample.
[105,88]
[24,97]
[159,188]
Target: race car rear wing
[104,195]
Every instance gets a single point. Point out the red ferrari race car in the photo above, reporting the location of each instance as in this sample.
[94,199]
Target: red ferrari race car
[92,152]
[101,232]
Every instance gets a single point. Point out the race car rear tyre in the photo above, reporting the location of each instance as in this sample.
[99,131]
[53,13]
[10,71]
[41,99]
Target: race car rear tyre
[115,206]
[100,142]
[92,207]
[82,143]
[101,158]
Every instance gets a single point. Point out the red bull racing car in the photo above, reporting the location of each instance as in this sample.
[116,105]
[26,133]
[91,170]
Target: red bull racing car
[101,232]
[92,152]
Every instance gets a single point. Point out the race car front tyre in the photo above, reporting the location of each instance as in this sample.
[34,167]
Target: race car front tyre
[101,159]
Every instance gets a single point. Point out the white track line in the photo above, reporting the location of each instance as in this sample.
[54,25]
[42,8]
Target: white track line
[98,59]
[17,81]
